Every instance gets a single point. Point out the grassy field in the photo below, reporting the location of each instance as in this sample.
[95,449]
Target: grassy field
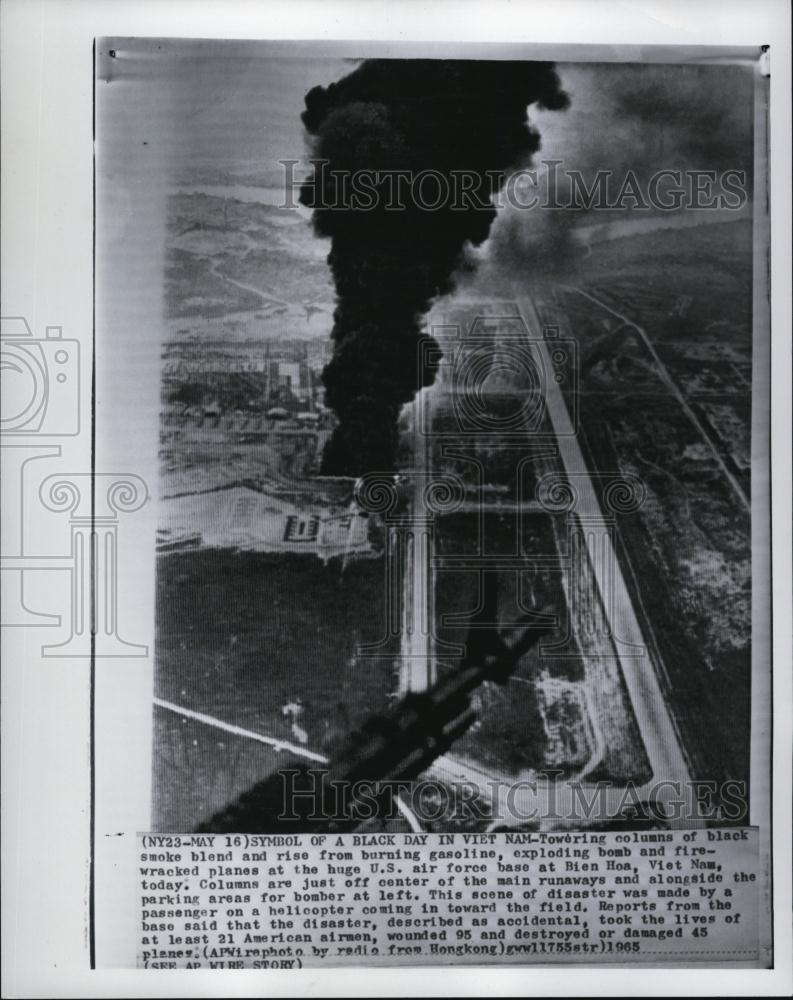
[241,634]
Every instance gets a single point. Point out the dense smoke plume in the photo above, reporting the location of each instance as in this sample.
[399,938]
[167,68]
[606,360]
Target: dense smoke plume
[625,118]
[388,265]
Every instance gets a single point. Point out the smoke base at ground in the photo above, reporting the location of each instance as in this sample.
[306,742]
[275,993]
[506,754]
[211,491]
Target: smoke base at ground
[388,267]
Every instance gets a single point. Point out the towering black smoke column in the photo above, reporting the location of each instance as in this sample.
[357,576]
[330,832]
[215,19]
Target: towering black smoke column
[406,115]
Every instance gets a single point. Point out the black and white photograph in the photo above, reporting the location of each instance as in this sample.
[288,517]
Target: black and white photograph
[394,486]
[455,481]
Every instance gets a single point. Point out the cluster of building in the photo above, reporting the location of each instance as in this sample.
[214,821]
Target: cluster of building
[281,378]
[260,403]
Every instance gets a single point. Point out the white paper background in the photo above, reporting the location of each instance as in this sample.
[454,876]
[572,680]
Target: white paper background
[47,233]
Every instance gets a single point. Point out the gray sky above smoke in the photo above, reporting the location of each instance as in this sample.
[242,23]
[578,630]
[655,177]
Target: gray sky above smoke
[622,117]
[642,116]
[235,106]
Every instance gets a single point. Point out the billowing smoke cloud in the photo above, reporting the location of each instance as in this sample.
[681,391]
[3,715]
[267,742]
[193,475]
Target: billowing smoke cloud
[639,118]
[388,265]
[696,117]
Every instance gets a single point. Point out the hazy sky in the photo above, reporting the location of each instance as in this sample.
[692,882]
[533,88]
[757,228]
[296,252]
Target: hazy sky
[228,106]
[235,106]
[178,111]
